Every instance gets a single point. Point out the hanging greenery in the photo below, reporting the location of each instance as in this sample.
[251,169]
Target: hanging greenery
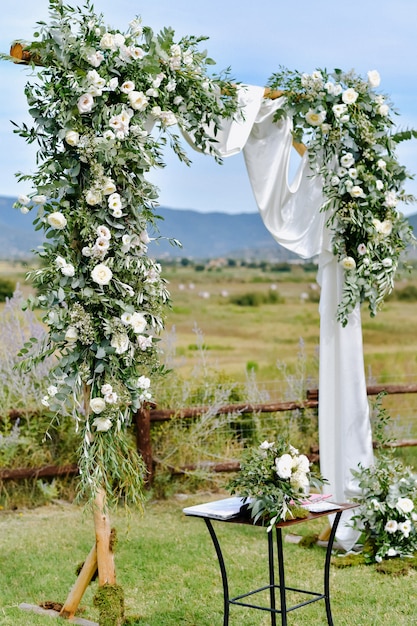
[104,105]
[348,129]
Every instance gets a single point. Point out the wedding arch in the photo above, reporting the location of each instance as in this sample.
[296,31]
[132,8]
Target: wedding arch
[104,104]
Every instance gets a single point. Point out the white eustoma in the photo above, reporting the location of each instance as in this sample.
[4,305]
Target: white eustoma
[101,274]
[265,445]
[137,100]
[391,526]
[356,191]
[57,220]
[339,109]
[383,110]
[347,160]
[103,231]
[39,199]
[143,382]
[108,42]
[22,199]
[97,405]
[127,86]
[315,118]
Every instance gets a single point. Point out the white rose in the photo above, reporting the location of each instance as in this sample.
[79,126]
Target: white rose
[283,466]
[383,110]
[119,40]
[138,101]
[381,164]
[339,109]
[391,526]
[101,274]
[405,505]
[102,424]
[95,58]
[68,270]
[120,342]
[107,42]
[111,398]
[39,199]
[356,192]
[374,78]
[379,185]
[106,389]
[348,263]
[137,322]
[143,382]
[391,199]
[168,118]
[93,197]
[57,220]
[71,334]
[95,79]
[385,227]
[299,481]
[85,103]
[60,262]
[144,342]
[72,137]
[302,464]
[97,405]
[349,96]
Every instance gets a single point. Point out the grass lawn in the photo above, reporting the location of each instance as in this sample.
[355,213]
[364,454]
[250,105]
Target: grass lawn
[168,568]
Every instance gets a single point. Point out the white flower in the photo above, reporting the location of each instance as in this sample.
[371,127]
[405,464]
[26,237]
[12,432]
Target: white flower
[405,528]
[381,164]
[85,103]
[57,220]
[136,52]
[40,199]
[362,249]
[392,552]
[171,85]
[103,231]
[60,262]
[391,526]
[383,110]
[138,322]
[379,185]
[385,228]
[127,86]
[96,80]
[315,118]
[68,270]
[404,505]
[106,389]
[72,137]
[120,342]
[119,40]
[168,118]
[95,58]
[111,398]
[339,109]
[347,160]
[52,390]
[348,263]
[349,96]
[24,210]
[302,463]
[108,42]
[114,201]
[101,274]
[102,424]
[93,197]
[391,199]
[374,78]
[283,466]
[143,382]
[138,100]
[356,192]
[265,445]
[71,334]
[387,262]
[97,405]
[45,401]
[299,481]
[144,342]
[22,199]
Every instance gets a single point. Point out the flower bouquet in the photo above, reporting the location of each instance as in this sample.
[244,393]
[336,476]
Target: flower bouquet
[274,480]
[387,513]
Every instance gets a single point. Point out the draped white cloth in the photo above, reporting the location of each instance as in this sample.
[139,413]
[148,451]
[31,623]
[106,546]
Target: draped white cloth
[291,212]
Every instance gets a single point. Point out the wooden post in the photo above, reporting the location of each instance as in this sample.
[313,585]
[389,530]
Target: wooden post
[84,578]
[143,439]
[105,556]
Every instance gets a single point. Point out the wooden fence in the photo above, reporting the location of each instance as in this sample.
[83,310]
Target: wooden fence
[151,414]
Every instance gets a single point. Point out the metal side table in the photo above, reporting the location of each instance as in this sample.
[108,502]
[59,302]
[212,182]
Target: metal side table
[273,586]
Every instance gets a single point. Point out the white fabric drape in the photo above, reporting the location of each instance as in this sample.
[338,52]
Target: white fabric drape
[291,212]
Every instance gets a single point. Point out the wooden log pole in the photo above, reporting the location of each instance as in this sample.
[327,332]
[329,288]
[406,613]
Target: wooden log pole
[143,439]
[84,578]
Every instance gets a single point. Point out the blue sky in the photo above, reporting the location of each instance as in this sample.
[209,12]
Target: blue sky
[254,39]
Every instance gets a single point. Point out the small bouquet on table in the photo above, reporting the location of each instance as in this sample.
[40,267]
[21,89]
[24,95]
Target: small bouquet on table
[275,482]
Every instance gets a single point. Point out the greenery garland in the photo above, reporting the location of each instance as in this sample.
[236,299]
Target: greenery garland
[347,127]
[104,105]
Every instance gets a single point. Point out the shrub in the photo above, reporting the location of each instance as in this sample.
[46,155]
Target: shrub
[6,289]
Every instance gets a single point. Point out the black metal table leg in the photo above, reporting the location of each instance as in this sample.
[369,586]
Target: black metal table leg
[327,568]
[222,570]
[271,578]
[281,573]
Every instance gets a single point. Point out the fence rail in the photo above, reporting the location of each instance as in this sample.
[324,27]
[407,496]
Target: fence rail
[150,413]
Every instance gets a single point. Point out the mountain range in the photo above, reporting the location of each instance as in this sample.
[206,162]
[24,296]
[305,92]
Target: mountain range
[202,235]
